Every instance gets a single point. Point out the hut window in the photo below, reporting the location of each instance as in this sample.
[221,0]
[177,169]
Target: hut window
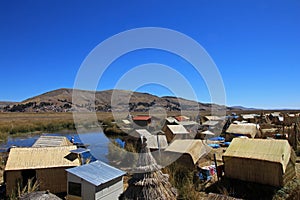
[74,189]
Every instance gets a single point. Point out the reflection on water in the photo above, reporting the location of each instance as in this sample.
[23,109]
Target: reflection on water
[97,141]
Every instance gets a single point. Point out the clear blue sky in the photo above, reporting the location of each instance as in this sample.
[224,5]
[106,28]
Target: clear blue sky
[254,43]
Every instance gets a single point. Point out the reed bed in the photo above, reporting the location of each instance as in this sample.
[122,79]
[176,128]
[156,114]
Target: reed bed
[22,123]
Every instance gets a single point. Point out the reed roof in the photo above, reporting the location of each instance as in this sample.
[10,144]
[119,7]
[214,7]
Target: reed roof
[51,141]
[195,148]
[149,182]
[177,129]
[243,129]
[40,157]
[278,151]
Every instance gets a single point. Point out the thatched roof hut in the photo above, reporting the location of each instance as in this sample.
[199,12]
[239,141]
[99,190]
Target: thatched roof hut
[174,132]
[270,162]
[46,164]
[148,182]
[40,158]
[244,129]
[187,152]
[52,141]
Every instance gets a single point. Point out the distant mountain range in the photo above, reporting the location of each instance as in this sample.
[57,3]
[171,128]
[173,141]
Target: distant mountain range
[61,101]
[242,108]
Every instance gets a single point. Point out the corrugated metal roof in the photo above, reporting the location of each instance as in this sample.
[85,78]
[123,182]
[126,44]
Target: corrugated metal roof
[177,129]
[40,157]
[195,148]
[51,141]
[278,151]
[96,172]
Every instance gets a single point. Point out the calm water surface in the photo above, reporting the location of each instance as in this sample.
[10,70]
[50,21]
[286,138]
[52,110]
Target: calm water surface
[97,141]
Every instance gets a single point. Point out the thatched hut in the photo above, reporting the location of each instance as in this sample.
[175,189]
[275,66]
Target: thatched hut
[174,132]
[148,182]
[270,162]
[243,129]
[187,152]
[52,141]
[44,164]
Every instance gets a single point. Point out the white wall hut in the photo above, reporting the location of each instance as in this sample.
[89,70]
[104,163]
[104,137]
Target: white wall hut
[270,162]
[96,180]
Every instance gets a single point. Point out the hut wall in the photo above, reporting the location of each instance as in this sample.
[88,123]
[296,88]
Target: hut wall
[87,190]
[257,171]
[110,190]
[185,160]
[53,179]
[11,179]
[142,123]
[169,135]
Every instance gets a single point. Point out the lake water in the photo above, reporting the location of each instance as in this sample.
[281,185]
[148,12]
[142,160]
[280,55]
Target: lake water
[97,141]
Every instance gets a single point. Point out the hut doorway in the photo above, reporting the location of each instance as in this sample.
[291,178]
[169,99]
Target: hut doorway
[28,174]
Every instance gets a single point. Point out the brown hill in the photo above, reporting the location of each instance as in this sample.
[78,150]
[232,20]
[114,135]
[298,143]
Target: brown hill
[61,101]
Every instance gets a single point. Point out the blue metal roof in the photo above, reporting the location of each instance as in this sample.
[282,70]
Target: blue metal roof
[96,172]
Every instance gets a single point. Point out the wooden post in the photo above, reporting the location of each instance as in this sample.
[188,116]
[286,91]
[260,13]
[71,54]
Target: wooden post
[294,139]
[215,160]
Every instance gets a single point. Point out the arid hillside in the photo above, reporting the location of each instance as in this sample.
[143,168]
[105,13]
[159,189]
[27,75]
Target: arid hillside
[61,101]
